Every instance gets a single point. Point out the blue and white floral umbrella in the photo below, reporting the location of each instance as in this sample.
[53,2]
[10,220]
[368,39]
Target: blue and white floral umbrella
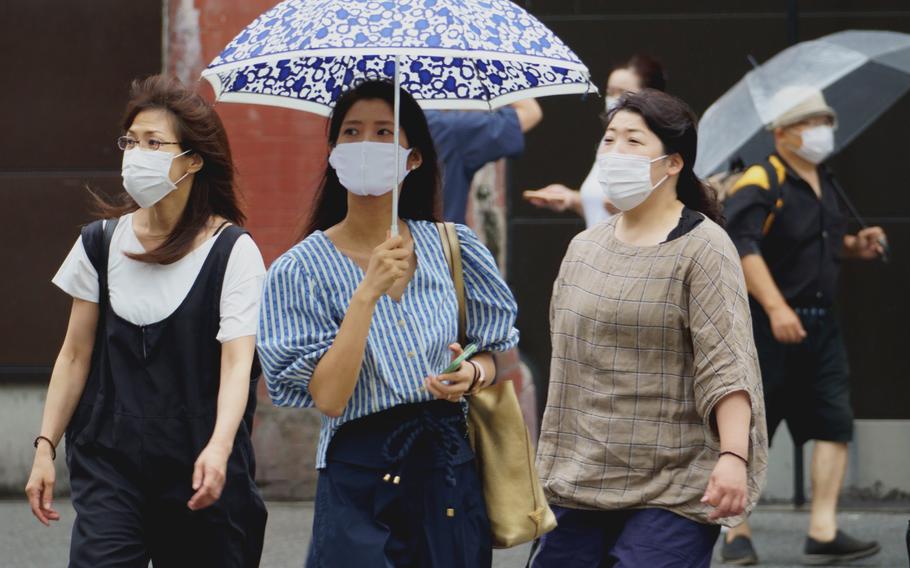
[448,54]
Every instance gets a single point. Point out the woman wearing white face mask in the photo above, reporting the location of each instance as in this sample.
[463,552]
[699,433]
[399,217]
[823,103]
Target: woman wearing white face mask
[361,325]
[654,430]
[155,382]
[639,72]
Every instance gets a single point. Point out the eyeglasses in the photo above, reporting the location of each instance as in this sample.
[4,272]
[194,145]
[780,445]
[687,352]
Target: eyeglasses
[127,143]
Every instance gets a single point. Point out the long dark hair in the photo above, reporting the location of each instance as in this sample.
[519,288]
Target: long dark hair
[675,124]
[198,129]
[420,190]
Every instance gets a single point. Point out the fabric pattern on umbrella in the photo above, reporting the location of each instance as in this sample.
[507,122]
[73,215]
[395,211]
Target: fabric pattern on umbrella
[471,54]
[861,73]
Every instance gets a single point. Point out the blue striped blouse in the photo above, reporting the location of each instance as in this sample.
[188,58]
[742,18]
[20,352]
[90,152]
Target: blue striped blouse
[307,293]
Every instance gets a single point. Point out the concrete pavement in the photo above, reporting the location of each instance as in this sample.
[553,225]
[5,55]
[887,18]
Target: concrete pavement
[779,533]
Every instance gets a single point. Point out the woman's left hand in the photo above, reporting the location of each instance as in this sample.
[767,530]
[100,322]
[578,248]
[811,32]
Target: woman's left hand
[209,475]
[727,491]
[458,382]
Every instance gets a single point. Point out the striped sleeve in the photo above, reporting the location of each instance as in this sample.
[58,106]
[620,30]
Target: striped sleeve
[295,331]
[491,307]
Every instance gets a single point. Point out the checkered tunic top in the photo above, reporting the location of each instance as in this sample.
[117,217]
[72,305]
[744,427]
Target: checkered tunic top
[646,340]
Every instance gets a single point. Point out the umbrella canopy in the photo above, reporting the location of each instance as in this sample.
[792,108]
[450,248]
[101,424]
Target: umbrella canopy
[469,54]
[861,73]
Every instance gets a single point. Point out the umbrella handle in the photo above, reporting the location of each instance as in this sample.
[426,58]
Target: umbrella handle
[886,251]
[397,110]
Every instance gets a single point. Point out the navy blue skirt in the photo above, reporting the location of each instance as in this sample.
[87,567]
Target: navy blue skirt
[625,538]
[401,488]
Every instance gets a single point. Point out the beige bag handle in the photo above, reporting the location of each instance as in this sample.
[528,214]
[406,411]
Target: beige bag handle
[451,248]
[516,504]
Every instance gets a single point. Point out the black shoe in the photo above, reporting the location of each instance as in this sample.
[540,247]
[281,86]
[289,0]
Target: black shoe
[842,549]
[738,552]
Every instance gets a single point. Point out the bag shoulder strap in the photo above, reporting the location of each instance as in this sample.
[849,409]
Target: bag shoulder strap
[451,248]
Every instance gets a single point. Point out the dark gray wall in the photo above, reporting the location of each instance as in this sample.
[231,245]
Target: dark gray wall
[704,46]
[66,73]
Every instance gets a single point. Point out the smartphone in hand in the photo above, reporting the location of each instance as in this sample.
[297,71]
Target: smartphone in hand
[469,352]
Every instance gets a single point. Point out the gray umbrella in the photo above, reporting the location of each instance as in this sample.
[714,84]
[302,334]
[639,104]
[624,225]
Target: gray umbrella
[861,73]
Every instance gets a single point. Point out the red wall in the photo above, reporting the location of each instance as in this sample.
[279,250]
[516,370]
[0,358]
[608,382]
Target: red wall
[279,153]
[280,156]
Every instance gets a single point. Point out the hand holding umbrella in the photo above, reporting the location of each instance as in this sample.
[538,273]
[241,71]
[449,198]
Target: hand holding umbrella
[861,74]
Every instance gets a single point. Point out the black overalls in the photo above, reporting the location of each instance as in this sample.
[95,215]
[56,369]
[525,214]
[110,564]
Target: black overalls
[148,410]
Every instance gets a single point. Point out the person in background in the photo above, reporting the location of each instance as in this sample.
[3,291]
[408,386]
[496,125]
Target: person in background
[785,219]
[467,140]
[362,325]
[654,427]
[155,384]
[639,72]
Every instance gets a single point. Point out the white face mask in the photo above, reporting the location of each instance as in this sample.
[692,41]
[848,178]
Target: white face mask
[368,168]
[818,143]
[147,175]
[626,178]
[611,103]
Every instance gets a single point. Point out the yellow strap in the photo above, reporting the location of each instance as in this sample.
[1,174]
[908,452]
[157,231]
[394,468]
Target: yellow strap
[780,168]
[756,175]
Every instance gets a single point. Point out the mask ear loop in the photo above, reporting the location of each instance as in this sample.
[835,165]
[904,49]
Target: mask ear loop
[180,179]
[666,177]
[663,179]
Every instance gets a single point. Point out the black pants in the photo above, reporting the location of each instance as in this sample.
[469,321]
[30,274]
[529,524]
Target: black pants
[127,515]
[806,384]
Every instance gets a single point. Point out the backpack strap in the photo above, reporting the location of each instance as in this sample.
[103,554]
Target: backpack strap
[451,248]
[777,173]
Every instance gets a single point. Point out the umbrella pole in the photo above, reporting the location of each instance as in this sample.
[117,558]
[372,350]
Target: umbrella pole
[886,250]
[397,111]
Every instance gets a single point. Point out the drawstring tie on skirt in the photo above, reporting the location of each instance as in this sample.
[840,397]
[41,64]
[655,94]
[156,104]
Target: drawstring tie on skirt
[443,431]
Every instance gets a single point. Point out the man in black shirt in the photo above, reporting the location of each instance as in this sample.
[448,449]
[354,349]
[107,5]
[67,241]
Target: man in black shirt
[785,218]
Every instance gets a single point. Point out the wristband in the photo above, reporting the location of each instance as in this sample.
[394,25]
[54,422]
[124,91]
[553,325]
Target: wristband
[734,454]
[48,440]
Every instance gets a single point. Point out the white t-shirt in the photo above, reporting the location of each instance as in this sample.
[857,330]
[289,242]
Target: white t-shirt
[592,199]
[143,293]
